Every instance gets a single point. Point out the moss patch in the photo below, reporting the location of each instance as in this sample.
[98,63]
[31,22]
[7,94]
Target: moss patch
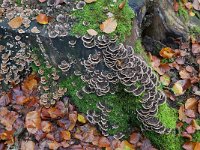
[95,13]
[168,116]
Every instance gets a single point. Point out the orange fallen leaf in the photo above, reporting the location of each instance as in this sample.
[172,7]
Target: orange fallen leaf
[197,146]
[30,83]
[176,6]
[184,74]
[167,52]
[195,125]
[42,19]
[15,22]
[8,136]
[189,145]
[122,4]
[7,118]
[103,142]
[109,25]
[53,145]
[33,121]
[66,135]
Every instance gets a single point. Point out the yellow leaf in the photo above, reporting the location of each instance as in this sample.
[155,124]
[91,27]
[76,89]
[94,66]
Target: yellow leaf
[42,19]
[66,135]
[15,22]
[81,118]
[109,25]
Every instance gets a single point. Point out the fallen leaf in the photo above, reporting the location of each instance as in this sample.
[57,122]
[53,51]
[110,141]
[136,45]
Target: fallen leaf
[46,126]
[176,6]
[188,5]
[122,4]
[191,103]
[134,138]
[181,113]
[197,146]
[188,145]
[167,52]
[66,135]
[92,32]
[109,25]
[190,129]
[180,87]
[184,74]
[51,113]
[196,47]
[186,135]
[72,119]
[199,107]
[33,121]
[7,118]
[103,142]
[27,145]
[190,113]
[15,22]
[53,145]
[42,19]
[195,125]
[5,99]
[30,83]
[8,136]
[170,95]
[90,1]
[164,67]
[126,145]
[81,118]
[196,5]
[165,79]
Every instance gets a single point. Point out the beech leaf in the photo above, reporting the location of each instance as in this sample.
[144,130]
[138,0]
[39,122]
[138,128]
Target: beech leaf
[109,25]
[15,22]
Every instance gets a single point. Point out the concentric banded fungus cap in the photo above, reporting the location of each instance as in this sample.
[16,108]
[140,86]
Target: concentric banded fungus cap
[80,5]
[80,94]
[64,66]
[60,18]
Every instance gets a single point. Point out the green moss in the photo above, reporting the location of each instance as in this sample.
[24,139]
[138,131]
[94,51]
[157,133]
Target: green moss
[18,2]
[182,12]
[168,116]
[95,14]
[139,49]
[165,142]
[196,135]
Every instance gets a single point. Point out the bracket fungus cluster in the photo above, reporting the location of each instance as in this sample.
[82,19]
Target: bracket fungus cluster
[14,65]
[100,117]
[126,68]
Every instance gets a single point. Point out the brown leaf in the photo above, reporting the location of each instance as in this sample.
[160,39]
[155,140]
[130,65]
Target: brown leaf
[27,145]
[190,129]
[7,118]
[103,142]
[176,6]
[181,113]
[72,118]
[195,125]
[90,1]
[167,52]
[46,126]
[7,136]
[122,4]
[15,22]
[52,113]
[191,103]
[189,146]
[186,135]
[66,135]
[42,19]
[169,95]
[164,67]
[134,138]
[30,83]
[190,113]
[197,146]
[165,79]
[92,32]
[184,74]
[109,25]
[53,145]
[33,122]
[199,107]
[5,99]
